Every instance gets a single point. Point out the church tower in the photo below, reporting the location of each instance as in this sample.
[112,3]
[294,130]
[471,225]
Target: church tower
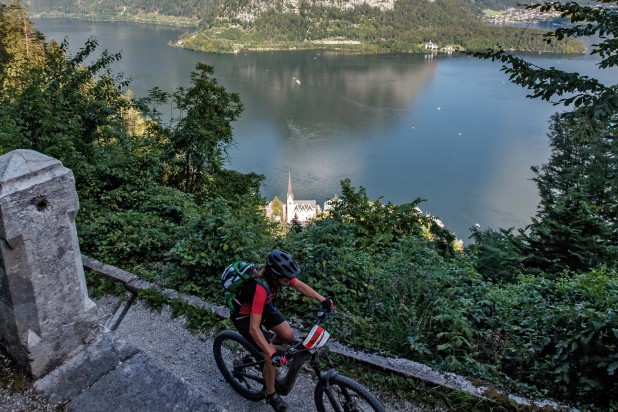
[289,208]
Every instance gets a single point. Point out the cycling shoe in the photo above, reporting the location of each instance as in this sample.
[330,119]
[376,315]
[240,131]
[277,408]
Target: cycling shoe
[277,402]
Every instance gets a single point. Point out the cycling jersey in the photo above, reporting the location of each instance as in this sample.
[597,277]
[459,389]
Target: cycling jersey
[260,299]
[257,300]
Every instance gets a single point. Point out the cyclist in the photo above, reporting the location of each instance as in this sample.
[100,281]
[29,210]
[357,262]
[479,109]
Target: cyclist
[257,314]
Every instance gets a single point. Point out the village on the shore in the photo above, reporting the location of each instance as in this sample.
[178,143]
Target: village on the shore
[301,212]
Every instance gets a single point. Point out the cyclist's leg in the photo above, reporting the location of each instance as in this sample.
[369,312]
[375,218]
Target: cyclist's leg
[270,371]
[242,323]
[270,374]
[274,321]
[283,333]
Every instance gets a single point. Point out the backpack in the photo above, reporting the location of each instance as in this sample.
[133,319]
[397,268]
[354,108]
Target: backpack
[234,278]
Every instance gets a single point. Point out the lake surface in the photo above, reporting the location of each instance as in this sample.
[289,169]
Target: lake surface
[448,129]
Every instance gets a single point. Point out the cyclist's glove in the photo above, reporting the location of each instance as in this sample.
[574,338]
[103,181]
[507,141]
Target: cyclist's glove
[278,359]
[328,305]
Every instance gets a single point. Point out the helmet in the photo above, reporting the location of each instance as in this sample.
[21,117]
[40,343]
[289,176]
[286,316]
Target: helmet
[282,264]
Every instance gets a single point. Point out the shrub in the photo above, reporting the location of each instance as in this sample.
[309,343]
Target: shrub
[561,334]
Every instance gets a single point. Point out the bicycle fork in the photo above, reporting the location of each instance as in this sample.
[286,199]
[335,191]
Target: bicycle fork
[349,403]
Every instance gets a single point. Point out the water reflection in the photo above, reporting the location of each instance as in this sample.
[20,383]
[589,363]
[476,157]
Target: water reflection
[316,96]
[452,130]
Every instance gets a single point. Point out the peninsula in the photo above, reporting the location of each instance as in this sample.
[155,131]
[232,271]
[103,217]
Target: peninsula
[358,26]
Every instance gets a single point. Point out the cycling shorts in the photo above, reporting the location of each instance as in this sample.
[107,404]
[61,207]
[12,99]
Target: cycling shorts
[270,318]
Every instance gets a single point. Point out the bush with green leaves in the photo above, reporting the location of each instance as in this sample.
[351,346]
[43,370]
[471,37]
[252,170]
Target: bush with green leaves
[392,283]
[497,254]
[225,232]
[560,334]
[143,234]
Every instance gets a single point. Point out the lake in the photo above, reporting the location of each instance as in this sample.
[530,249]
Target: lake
[448,129]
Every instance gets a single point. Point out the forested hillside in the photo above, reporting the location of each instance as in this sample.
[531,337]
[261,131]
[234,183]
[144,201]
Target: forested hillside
[393,26]
[533,311]
[186,8]
[190,8]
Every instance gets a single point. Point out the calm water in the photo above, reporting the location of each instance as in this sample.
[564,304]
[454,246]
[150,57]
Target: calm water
[451,130]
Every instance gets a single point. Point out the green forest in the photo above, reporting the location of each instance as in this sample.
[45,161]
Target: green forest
[453,24]
[407,27]
[533,310]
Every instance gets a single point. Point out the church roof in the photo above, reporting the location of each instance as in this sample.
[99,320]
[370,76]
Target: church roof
[305,204]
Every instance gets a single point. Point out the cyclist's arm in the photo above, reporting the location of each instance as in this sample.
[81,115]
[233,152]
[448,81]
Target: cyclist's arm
[255,320]
[307,290]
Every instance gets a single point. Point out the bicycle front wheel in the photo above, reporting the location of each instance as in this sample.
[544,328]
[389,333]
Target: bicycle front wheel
[236,359]
[344,394]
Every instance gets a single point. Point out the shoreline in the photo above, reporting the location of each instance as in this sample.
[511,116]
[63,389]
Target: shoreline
[336,45]
[181,22]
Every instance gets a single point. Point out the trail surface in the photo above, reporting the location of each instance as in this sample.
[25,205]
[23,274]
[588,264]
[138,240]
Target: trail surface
[190,356]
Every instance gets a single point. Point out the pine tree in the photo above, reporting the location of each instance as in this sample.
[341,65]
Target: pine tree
[576,226]
[20,42]
[577,223]
[295,224]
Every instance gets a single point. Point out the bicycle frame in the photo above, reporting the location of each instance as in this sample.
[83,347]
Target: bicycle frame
[242,367]
[298,355]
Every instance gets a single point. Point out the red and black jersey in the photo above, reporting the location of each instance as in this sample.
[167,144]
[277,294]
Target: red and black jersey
[255,298]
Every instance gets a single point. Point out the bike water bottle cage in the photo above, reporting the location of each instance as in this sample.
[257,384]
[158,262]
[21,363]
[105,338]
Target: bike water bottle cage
[234,278]
[282,265]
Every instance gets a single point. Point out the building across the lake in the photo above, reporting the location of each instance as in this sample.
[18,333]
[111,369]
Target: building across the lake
[301,210]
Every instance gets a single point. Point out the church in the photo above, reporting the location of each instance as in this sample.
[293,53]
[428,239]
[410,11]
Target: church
[302,210]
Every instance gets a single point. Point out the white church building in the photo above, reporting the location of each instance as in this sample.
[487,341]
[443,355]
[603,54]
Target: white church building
[303,210]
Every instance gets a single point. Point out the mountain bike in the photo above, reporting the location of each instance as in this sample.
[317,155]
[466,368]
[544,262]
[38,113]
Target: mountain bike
[241,365]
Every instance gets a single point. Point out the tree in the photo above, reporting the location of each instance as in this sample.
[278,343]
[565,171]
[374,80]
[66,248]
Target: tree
[576,226]
[577,223]
[277,207]
[595,105]
[19,39]
[64,108]
[295,224]
[201,133]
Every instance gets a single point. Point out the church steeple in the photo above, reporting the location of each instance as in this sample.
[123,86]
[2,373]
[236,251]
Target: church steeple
[289,204]
[290,194]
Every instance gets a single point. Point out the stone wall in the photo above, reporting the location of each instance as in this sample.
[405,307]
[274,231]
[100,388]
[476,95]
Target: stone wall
[45,312]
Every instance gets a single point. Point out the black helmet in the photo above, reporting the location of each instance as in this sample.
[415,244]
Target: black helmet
[282,264]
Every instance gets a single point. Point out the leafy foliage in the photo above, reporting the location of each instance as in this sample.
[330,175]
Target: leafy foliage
[225,232]
[497,254]
[563,332]
[154,204]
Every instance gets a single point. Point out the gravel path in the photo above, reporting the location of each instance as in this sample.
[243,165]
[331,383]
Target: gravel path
[190,356]
[187,355]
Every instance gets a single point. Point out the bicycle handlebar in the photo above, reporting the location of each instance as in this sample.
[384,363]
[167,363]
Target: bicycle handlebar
[323,315]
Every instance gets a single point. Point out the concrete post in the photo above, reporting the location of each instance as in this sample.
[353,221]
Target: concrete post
[45,312]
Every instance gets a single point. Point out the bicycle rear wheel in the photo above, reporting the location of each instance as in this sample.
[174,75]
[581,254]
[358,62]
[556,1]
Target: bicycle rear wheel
[345,395]
[234,356]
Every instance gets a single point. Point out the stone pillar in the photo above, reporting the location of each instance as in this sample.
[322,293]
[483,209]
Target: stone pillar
[45,311]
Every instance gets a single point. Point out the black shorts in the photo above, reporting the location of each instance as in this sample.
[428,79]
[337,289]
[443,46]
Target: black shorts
[270,318]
